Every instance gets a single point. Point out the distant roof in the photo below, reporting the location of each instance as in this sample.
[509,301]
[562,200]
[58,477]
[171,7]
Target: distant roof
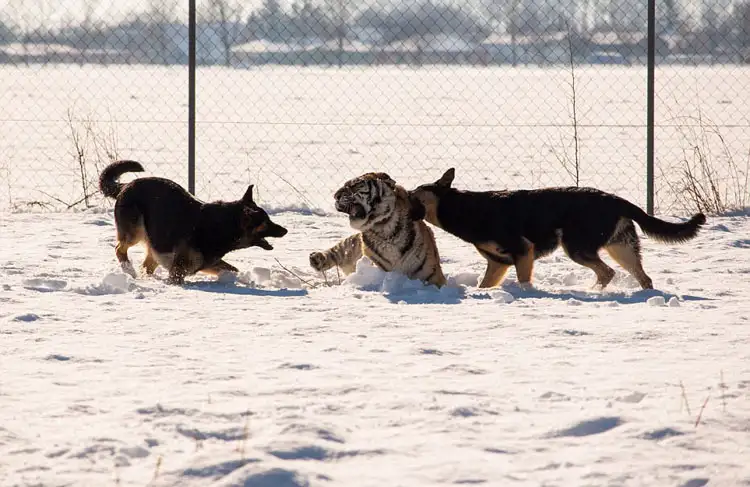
[430,43]
[497,39]
[348,46]
[611,37]
[36,49]
[262,46]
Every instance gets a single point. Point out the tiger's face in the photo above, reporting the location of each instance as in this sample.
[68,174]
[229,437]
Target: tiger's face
[367,199]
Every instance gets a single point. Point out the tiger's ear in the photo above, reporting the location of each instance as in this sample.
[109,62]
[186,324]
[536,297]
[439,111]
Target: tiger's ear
[446,179]
[417,210]
[386,179]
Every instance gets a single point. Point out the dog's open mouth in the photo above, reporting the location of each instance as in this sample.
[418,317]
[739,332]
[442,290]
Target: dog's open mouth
[263,243]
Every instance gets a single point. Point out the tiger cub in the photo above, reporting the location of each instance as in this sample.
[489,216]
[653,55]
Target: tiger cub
[392,233]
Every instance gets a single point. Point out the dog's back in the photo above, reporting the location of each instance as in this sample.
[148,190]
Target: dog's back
[161,208]
[181,233]
[517,227]
[539,214]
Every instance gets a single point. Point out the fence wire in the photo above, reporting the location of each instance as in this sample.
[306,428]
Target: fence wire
[297,97]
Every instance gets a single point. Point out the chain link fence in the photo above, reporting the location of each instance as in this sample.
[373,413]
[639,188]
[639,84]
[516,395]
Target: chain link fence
[299,96]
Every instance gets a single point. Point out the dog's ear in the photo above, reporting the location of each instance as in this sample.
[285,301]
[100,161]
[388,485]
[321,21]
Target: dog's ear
[446,179]
[417,210]
[248,198]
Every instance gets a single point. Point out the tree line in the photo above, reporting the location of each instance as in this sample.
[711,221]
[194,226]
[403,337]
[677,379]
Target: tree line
[156,32]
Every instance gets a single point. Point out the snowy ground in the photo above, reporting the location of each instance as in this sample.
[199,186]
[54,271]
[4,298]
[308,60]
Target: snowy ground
[294,131]
[374,382]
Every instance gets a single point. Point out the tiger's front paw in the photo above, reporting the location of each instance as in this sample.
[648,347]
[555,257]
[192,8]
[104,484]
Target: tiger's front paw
[318,261]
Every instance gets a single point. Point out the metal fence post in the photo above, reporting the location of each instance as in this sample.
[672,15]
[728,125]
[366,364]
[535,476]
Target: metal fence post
[650,107]
[191,95]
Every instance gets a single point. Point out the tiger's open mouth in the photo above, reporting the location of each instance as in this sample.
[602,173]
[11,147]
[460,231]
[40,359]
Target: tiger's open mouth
[354,210]
[357,212]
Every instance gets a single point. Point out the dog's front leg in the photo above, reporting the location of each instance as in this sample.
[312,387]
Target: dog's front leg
[183,264]
[176,276]
[219,267]
[494,274]
[525,264]
[498,263]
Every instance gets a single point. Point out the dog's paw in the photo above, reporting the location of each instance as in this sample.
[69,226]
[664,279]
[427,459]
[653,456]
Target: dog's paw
[318,261]
[176,279]
[227,277]
[127,268]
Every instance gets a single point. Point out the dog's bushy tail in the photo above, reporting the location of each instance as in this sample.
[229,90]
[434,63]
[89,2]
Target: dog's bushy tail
[664,231]
[108,183]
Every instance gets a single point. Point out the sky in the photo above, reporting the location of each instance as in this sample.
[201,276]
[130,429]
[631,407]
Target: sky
[65,11]
[62,12]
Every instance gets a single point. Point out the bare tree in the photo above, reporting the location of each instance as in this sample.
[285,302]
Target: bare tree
[507,13]
[29,21]
[161,18]
[90,28]
[743,12]
[226,17]
[341,12]
[7,32]
[272,22]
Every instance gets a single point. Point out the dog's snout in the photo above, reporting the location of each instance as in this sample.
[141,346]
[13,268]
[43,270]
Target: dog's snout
[275,230]
[281,231]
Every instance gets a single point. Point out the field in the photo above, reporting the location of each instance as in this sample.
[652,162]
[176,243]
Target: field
[297,133]
[283,377]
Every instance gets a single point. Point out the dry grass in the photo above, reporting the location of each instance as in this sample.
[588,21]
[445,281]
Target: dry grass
[571,164]
[94,145]
[708,178]
[685,399]
[700,414]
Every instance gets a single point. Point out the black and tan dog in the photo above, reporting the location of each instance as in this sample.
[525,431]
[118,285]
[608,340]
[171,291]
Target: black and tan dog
[518,227]
[181,233]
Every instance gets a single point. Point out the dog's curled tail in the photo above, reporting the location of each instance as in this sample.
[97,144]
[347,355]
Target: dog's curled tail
[108,183]
[664,231]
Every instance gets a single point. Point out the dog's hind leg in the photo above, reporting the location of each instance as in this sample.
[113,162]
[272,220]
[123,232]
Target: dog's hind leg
[149,263]
[630,260]
[130,232]
[604,273]
[625,249]
[121,251]
[629,257]
[585,251]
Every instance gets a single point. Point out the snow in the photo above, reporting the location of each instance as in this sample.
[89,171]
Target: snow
[295,132]
[282,377]
[279,376]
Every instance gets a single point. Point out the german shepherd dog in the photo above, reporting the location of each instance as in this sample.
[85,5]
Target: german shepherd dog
[518,227]
[181,233]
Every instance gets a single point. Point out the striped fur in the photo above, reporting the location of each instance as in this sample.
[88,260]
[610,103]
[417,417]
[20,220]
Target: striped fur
[391,235]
